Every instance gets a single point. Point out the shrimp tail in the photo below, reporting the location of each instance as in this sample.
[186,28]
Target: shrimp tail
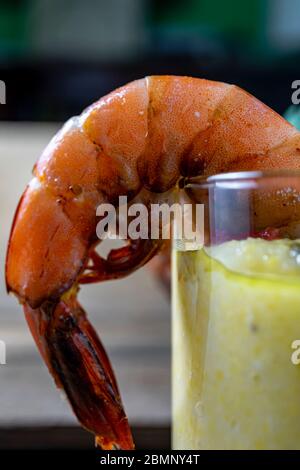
[79,364]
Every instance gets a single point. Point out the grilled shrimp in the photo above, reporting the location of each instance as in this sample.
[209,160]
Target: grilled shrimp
[138,140]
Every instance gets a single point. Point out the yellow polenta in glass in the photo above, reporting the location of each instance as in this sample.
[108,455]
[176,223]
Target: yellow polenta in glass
[236,313]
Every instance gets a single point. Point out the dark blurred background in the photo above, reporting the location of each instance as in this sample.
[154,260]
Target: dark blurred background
[57,56]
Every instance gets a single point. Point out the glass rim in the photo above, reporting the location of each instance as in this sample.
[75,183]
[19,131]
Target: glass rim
[241,177]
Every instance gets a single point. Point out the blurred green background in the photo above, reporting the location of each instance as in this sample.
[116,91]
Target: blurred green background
[58,55]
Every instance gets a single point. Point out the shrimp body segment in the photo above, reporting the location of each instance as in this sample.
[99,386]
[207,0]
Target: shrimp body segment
[141,137]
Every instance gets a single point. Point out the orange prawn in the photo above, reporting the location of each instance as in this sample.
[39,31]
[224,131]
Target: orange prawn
[139,139]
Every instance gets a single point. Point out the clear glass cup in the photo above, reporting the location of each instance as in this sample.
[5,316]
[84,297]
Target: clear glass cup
[236,316]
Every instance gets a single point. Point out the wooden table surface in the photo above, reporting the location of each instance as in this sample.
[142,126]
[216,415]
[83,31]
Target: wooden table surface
[131,315]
